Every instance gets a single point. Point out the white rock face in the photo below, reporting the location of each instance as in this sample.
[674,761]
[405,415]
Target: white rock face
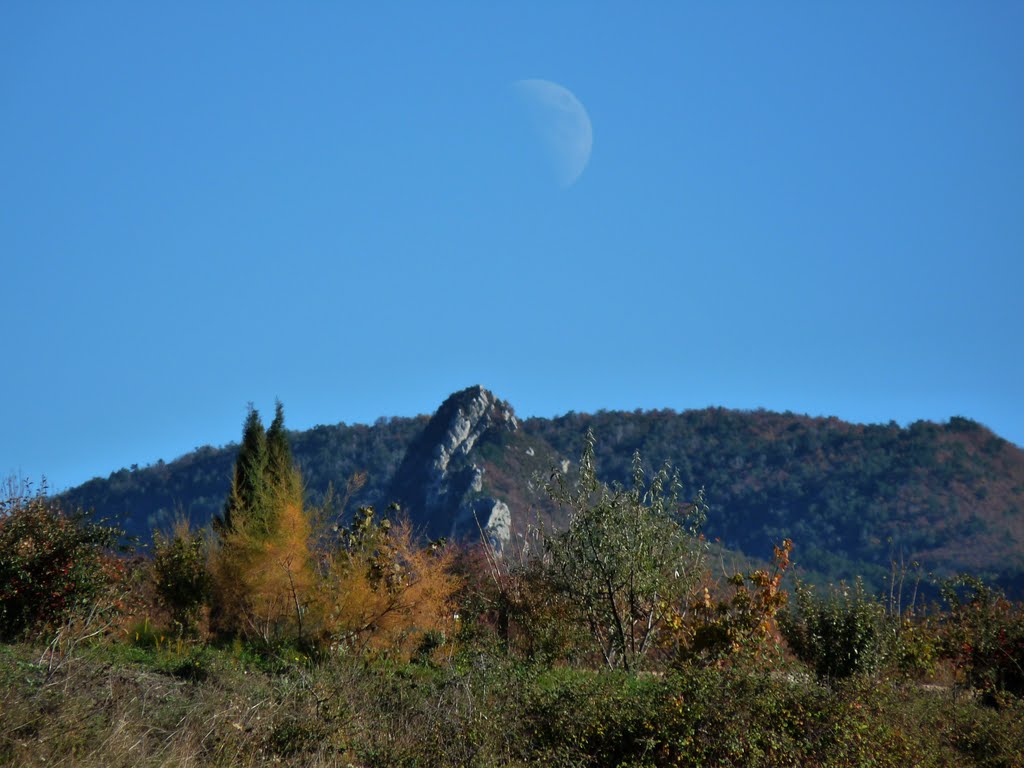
[464,430]
[478,479]
[498,528]
[454,485]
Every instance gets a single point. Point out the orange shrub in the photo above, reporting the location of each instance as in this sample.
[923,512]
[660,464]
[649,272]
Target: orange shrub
[383,592]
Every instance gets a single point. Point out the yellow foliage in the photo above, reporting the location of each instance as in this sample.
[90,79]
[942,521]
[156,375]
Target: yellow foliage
[264,583]
[386,597]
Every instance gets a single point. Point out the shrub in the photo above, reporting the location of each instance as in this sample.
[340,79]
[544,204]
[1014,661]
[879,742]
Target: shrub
[382,591]
[594,718]
[52,563]
[983,633]
[180,576]
[839,635]
[911,646]
[509,600]
[626,556]
[741,627]
[543,622]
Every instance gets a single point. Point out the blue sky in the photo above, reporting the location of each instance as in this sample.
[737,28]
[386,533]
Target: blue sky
[816,207]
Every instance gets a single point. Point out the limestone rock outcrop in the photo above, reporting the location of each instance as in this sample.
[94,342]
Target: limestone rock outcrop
[441,481]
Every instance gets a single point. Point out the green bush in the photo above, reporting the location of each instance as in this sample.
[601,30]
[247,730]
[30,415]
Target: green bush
[625,556]
[706,716]
[839,635]
[584,717]
[52,563]
[911,647]
[181,579]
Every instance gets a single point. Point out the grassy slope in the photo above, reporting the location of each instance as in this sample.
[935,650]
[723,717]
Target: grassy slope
[120,706]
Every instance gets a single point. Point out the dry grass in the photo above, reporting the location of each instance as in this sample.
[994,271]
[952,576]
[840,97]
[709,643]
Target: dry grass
[114,706]
[133,709]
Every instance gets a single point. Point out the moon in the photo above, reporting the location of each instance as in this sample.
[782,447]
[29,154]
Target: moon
[561,123]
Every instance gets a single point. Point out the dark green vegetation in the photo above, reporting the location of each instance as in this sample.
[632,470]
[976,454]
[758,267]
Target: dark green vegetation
[853,497]
[280,638]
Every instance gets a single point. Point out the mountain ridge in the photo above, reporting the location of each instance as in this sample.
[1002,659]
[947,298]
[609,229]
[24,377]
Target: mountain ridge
[853,497]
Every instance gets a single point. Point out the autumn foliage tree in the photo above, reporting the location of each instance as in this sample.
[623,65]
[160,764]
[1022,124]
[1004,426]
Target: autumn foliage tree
[385,592]
[261,569]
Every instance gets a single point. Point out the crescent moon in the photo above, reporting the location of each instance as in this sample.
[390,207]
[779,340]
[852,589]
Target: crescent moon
[561,122]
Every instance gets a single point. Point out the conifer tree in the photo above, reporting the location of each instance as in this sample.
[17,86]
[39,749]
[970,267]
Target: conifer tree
[247,500]
[281,479]
[261,568]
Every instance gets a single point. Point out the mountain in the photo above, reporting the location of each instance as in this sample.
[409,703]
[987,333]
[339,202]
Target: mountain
[471,462]
[853,497]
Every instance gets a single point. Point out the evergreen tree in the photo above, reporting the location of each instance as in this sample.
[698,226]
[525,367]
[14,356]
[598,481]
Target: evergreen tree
[247,501]
[281,479]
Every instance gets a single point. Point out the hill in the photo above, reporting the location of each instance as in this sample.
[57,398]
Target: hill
[853,497]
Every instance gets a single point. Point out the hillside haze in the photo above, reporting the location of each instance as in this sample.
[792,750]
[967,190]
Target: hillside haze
[853,497]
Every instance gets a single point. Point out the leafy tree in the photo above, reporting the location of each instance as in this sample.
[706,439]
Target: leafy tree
[626,556]
[180,576]
[52,563]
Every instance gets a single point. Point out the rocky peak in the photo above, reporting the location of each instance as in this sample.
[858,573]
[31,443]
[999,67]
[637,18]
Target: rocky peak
[441,479]
[464,417]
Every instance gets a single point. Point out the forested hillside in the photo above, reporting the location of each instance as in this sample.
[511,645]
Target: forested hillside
[196,485]
[852,497]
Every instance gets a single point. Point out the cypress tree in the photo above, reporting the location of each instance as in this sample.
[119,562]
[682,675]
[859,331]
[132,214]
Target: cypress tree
[281,479]
[247,501]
